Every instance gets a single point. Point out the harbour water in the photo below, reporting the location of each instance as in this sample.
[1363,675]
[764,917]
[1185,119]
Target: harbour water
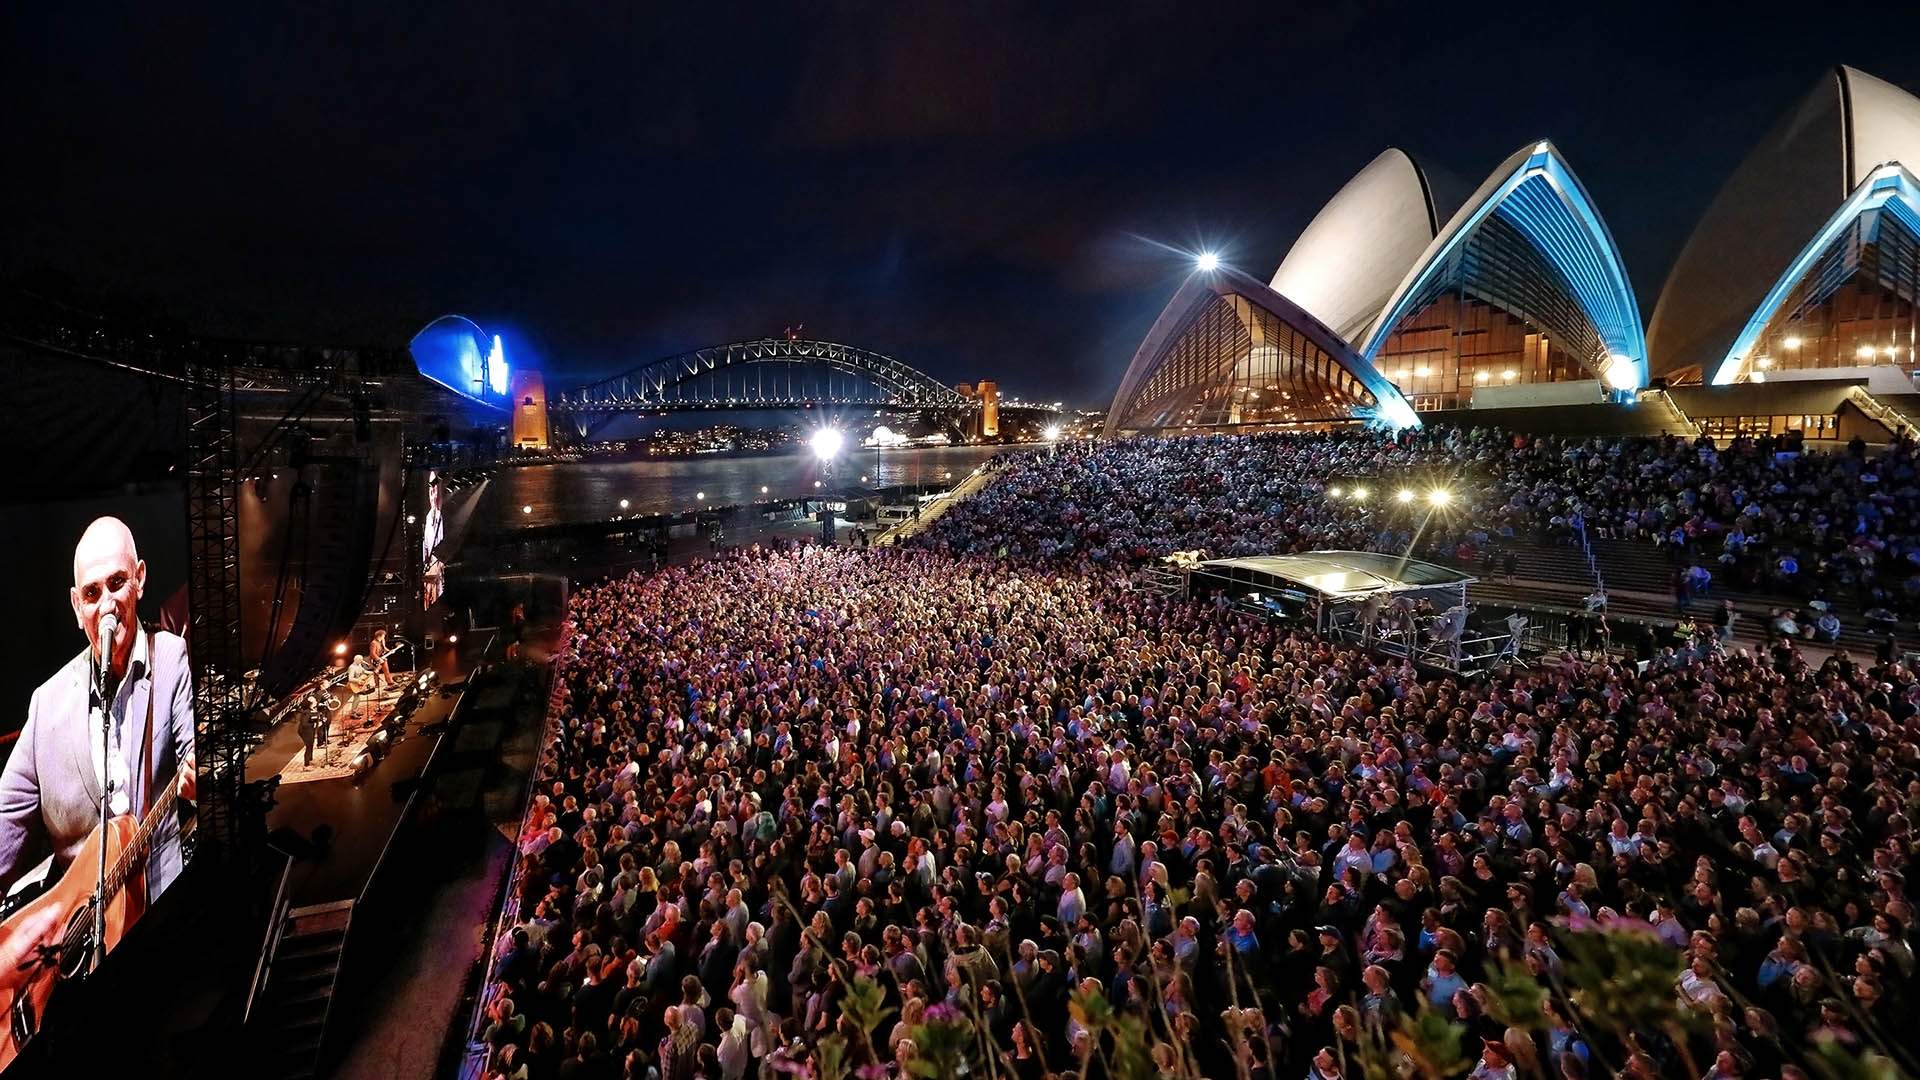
[592,490]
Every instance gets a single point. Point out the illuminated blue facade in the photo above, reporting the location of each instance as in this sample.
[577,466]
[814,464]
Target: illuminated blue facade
[1884,209]
[454,352]
[1528,242]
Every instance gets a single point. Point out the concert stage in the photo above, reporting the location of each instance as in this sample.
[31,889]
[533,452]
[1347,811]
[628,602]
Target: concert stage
[356,817]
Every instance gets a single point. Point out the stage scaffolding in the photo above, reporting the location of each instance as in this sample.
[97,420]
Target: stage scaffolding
[213,592]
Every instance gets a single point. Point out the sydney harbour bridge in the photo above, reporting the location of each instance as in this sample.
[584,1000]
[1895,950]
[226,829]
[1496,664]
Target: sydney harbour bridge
[769,373]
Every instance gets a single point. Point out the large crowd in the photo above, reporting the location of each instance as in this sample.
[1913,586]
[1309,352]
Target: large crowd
[1760,513]
[988,780]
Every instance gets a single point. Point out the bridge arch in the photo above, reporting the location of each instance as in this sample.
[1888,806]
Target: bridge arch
[689,379]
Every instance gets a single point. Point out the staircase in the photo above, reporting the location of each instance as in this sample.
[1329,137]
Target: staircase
[933,508]
[1668,416]
[1895,420]
[291,1024]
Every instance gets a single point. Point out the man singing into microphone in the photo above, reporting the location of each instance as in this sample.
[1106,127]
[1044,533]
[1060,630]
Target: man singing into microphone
[50,790]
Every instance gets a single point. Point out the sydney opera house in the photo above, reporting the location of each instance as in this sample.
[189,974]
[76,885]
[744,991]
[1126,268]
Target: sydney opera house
[1400,302]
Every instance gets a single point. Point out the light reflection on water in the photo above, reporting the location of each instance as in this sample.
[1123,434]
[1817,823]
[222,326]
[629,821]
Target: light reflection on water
[587,491]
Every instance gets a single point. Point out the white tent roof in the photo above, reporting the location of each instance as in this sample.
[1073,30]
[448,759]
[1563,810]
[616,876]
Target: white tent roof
[1345,573]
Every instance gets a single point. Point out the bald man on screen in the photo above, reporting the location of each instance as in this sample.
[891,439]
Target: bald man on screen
[50,788]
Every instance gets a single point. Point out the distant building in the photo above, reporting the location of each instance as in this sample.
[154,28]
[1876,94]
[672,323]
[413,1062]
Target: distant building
[1807,264]
[529,410]
[1398,299]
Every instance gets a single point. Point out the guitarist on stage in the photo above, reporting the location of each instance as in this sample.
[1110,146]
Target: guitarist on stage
[50,789]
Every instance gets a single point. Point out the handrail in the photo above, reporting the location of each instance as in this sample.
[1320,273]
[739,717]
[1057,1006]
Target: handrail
[1684,421]
[276,924]
[1891,419]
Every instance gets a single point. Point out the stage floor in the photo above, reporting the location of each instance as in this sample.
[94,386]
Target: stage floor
[361,816]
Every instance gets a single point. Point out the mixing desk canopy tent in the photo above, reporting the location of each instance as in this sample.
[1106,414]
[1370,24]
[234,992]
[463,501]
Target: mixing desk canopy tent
[1335,575]
[1331,590]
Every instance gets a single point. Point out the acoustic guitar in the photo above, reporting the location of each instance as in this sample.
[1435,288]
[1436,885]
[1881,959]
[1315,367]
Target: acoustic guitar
[51,938]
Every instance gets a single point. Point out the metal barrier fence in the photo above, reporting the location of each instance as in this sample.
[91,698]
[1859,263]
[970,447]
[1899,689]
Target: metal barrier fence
[473,1061]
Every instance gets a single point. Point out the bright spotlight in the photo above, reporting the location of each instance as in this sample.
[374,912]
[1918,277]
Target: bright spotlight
[624,504]
[1207,262]
[453,639]
[339,648]
[1335,491]
[1791,342]
[763,489]
[411,519]
[526,509]
[1864,352]
[1439,496]
[1622,373]
[700,495]
[1404,495]
[1051,433]
[863,479]
[1359,494]
[826,443]
[816,483]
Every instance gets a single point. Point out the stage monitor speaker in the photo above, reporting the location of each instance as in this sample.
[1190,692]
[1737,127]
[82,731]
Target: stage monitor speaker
[333,581]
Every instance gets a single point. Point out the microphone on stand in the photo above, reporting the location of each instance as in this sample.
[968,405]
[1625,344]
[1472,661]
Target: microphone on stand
[108,626]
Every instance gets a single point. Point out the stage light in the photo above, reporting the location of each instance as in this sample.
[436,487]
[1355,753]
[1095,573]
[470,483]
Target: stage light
[340,648]
[700,496]
[826,443]
[1439,496]
[624,504]
[1509,374]
[1405,495]
[1791,342]
[1890,352]
[763,489]
[1336,491]
[411,519]
[1207,262]
[1481,376]
[453,639]
[863,479]
[1763,363]
[1865,352]
[1622,373]
[816,483]
[525,509]
[1360,494]
[948,475]
[1051,433]
[1423,371]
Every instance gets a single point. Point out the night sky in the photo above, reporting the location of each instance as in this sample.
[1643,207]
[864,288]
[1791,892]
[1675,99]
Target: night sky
[970,188]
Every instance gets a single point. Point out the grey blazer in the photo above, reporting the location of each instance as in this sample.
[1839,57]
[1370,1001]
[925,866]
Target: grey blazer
[49,795]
